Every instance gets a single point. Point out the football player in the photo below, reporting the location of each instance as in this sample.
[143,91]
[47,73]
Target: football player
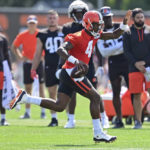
[76,11]
[77,50]
[49,39]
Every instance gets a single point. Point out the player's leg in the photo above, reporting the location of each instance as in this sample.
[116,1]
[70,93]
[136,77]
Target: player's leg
[52,84]
[95,99]
[27,114]
[53,94]
[64,94]
[136,80]
[40,72]
[104,117]
[3,121]
[42,94]
[28,87]
[93,79]
[116,88]
[86,89]
[70,112]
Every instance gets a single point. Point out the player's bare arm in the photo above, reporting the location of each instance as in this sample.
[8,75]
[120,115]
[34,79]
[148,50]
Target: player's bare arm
[63,50]
[120,30]
[37,55]
[17,52]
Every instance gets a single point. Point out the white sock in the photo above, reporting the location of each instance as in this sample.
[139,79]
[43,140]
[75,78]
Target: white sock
[33,100]
[71,117]
[3,116]
[54,115]
[97,126]
[28,111]
[42,110]
[103,115]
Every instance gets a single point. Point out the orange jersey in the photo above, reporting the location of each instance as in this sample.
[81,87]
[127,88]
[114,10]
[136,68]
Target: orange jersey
[83,45]
[28,42]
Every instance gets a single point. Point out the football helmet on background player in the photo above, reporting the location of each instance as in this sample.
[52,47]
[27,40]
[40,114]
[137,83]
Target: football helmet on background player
[77,6]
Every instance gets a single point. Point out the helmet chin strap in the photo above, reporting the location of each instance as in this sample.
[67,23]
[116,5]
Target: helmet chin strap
[76,20]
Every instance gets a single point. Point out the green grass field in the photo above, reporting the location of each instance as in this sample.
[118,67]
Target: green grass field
[33,134]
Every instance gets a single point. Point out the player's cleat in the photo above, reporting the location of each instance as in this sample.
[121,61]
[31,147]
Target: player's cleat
[4,122]
[137,125]
[18,99]
[118,124]
[70,124]
[53,123]
[43,116]
[105,122]
[103,137]
[25,116]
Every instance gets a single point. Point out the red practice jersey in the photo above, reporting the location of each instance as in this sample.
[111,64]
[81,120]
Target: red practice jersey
[83,45]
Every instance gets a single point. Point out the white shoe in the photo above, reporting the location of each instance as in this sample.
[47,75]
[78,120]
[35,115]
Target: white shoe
[103,137]
[70,124]
[105,122]
[19,99]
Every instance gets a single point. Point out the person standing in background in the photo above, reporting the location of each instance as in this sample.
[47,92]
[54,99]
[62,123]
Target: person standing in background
[4,55]
[49,39]
[136,43]
[27,40]
[117,62]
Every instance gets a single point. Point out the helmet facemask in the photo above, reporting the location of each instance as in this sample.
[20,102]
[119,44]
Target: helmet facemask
[77,15]
[95,26]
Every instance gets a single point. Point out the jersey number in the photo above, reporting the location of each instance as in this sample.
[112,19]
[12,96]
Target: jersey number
[89,49]
[52,44]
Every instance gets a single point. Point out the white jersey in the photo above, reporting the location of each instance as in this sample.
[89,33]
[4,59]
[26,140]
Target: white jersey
[110,47]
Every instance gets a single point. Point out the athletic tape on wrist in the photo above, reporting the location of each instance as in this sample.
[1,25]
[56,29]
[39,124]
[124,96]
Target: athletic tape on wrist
[124,27]
[72,59]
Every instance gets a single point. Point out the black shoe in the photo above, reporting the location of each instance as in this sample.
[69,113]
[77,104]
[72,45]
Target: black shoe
[137,125]
[53,123]
[25,116]
[4,122]
[118,124]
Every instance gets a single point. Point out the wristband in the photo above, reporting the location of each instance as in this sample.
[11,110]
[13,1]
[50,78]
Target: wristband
[72,59]
[124,27]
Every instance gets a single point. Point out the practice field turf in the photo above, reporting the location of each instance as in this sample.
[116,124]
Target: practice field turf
[33,134]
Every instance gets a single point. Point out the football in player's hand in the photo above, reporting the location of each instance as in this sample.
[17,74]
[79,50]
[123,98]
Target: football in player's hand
[79,71]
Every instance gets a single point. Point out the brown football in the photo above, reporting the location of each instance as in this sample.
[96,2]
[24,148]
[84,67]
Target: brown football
[77,73]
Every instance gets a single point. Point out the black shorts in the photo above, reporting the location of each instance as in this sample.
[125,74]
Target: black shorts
[118,66]
[68,85]
[27,72]
[50,77]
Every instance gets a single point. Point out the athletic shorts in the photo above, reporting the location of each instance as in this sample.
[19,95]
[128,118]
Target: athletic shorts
[68,85]
[118,66]
[137,82]
[50,77]
[1,80]
[27,73]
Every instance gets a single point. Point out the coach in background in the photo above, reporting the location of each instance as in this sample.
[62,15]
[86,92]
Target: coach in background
[27,40]
[117,63]
[136,43]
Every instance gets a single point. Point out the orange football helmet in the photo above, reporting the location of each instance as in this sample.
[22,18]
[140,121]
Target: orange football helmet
[91,17]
